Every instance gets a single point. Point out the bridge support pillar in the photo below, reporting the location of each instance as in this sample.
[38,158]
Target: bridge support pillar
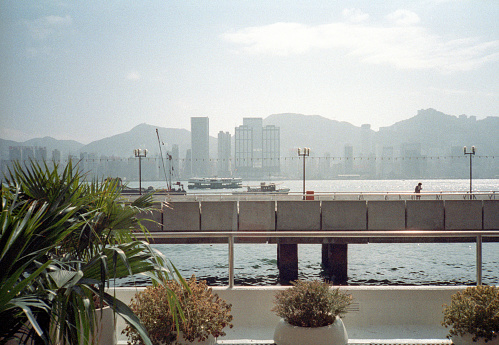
[335,262]
[287,262]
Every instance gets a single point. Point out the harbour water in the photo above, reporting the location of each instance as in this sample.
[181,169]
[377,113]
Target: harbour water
[368,264]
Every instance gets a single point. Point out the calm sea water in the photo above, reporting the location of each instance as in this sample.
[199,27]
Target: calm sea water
[368,264]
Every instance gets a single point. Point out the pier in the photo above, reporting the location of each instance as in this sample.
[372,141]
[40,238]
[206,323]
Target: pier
[369,218]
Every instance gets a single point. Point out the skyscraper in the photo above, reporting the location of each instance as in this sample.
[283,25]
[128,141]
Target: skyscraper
[224,154]
[200,159]
[271,150]
[257,149]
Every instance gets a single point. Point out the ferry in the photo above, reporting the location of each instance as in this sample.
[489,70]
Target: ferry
[265,188]
[214,183]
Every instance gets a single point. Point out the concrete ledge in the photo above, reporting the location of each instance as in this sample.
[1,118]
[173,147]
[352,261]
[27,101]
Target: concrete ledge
[425,214]
[218,215]
[378,315]
[344,215]
[386,215]
[181,216]
[257,215]
[464,214]
[152,220]
[298,215]
[491,214]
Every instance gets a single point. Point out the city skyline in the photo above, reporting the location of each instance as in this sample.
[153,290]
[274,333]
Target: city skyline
[410,148]
[88,70]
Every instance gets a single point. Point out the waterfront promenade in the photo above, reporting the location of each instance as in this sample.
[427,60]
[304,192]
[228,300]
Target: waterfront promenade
[380,314]
[330,220]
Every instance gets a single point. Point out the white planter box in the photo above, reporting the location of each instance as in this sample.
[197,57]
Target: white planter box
[334,334]
[468,340]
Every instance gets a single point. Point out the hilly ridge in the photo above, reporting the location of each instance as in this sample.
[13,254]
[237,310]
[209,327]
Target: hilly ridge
[435,131]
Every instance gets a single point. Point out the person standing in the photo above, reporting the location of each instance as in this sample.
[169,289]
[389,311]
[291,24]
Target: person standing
[417,190]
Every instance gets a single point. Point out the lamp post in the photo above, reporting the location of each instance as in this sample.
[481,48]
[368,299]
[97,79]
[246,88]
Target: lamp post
[471,154]
[139,153]
[305,153]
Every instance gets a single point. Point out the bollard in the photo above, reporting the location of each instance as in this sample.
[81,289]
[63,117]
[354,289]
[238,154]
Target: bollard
[310,195]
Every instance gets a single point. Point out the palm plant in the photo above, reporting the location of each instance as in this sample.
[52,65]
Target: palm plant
[62,240]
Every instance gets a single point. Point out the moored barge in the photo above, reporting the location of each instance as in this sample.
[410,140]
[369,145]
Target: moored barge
[214,183]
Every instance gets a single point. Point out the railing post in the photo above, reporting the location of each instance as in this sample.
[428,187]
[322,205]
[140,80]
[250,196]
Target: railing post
[479,260]
[231,261]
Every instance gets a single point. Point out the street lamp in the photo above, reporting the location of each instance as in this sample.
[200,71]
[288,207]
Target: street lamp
[305,153]
[471,153]
[140,153]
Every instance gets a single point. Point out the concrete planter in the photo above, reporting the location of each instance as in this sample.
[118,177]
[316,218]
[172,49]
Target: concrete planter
[209,341]
[106,330]
[334,334]
[468,340]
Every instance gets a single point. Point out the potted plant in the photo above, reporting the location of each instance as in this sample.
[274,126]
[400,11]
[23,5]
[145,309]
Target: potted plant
[473,316]
[204,314]
[310,314]
[62,240]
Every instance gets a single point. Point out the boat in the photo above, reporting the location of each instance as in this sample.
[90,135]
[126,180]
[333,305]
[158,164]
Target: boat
[214,183]
[265,188]
[172,189]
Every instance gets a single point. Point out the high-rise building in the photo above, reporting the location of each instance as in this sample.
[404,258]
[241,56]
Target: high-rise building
[41,154]
[367,140]
[15,153]
[257,149]
[187,165]
[200,159]
[224,154]
[387,163]
[348,159]
[412,163]
[271,150]
[28,153]
[175,162]
[56,155]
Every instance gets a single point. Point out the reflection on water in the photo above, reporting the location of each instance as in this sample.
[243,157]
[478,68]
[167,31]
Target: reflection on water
[368,264]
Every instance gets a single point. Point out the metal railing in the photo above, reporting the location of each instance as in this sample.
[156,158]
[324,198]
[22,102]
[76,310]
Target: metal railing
[231,235]
[381,195]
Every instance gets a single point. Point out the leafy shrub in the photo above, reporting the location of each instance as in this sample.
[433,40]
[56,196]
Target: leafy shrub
[204,313]
[311,304]
[474,311]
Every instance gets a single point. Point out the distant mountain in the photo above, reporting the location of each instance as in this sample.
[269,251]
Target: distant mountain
[144,136]
[316,132]
[66,147]
[434,130]
[438,131]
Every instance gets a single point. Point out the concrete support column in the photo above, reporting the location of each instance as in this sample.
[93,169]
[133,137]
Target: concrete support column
[287,262]
[335,262]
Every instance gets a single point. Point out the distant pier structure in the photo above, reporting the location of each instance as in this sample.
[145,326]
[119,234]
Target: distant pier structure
[329,213]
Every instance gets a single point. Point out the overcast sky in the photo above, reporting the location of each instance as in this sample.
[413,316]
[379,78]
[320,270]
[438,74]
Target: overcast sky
[86,70]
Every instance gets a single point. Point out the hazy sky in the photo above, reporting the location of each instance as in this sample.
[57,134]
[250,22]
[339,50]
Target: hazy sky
[85,70]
